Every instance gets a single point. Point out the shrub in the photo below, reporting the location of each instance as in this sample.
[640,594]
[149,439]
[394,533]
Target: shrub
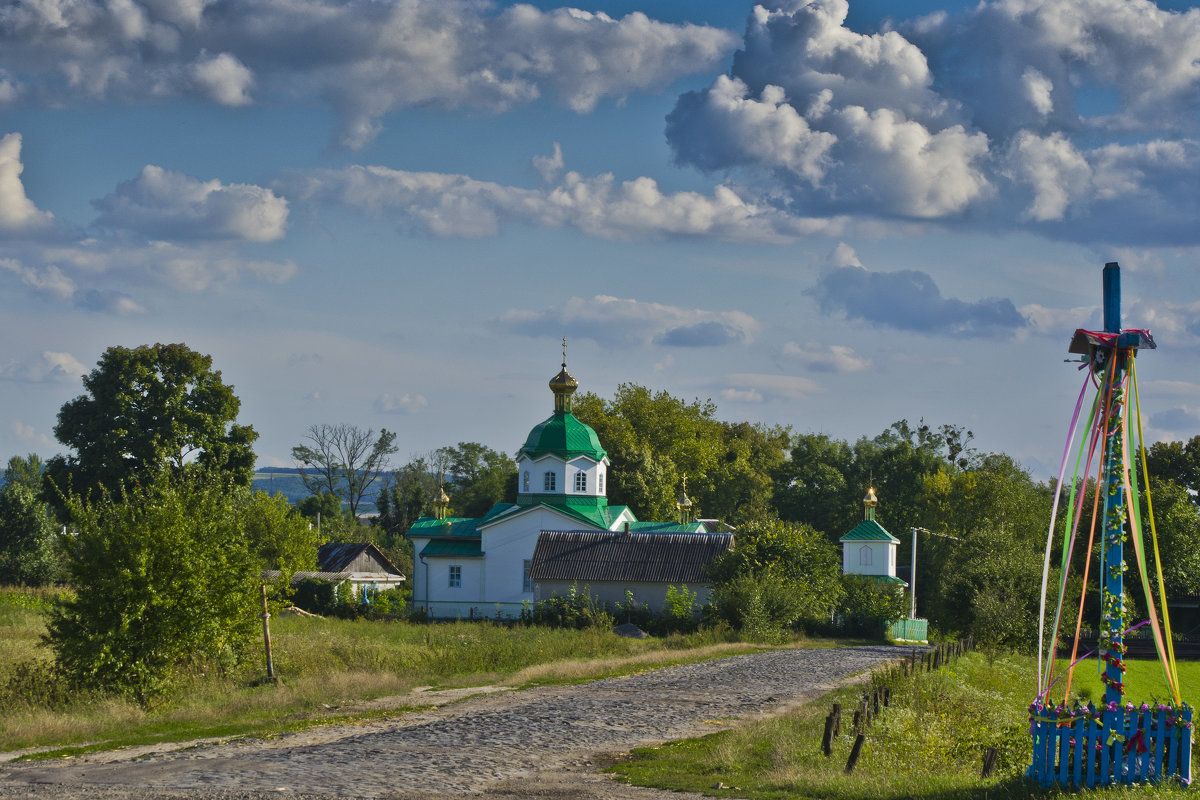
[760,604]
[576,610]
[868,605]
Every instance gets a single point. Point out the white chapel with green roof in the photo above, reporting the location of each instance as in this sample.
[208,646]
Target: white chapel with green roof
[868,549]
[481,567]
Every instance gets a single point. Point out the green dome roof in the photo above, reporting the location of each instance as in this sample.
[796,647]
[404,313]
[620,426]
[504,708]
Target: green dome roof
[563,435]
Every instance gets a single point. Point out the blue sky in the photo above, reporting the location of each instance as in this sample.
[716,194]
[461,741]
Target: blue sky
[819,214]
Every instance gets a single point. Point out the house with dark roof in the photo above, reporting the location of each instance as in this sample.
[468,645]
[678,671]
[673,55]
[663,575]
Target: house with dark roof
[643,559]
[359,563]
[482,567]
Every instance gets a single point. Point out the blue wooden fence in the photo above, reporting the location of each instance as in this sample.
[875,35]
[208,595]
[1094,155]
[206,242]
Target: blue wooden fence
[1086,747]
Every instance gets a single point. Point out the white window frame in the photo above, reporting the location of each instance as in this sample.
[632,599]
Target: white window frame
[550,481]
[581,481]
[525,481]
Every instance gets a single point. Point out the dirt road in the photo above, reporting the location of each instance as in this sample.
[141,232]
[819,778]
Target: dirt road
[545,742]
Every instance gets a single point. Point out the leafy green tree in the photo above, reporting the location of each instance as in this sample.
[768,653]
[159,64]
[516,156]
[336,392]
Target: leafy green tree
[480,476]
[148,410]
[343,460]
[165,577]
[26,537]
[1178,462]
[281,538]
[320,507]
[407,497]
[740,486]
[866,604]
[26,471]
[1177,524]
[786,560]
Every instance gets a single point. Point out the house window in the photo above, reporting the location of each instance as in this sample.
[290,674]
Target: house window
[601,483]
[864,556]
[549,482]
[581,481]
[526,581]
[525,481]
[455,576]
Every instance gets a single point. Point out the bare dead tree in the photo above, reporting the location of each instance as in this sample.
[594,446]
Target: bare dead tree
[343,460]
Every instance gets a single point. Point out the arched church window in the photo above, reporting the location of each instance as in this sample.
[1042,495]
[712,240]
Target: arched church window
[548,482]
[601,483]
[581,481]
[525,481]
[864,556]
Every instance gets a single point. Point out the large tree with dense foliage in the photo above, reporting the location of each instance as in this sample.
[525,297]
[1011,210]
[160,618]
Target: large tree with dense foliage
[343,460]
[785,571]
[655,440]
[166,578]
[479,478]
[149,410]
[26,537]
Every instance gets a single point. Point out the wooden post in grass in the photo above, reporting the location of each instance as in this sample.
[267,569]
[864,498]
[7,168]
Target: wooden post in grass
[827,739]
[837,719]
[266,615]
[990,755]
[855,752]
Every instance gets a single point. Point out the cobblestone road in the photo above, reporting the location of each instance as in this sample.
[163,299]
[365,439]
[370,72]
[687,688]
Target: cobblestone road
[540,742]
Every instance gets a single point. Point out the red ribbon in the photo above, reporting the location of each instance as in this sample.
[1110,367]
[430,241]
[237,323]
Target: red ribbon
[1139,739]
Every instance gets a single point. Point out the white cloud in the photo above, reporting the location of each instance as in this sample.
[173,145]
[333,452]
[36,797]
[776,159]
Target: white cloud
[827,358]
[27,433]
[364,58]
[407,403]
[756,388]
[614,320]
[51,366]
[160,203]
[456,205]
[17,212]
[48,281]
[1079,116]
[223,79]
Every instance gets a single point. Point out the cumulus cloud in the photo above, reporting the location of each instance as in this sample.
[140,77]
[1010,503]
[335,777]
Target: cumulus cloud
[748,387]
[407,403]
[17,211]
[444,204]
[827,358]
[50,366]
[619,321]
[364,58]
[47,281]
[984,115]
[109,301]
[910,300]
[160,203]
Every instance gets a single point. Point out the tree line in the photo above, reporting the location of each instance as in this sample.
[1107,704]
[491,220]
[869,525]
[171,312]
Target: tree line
[151,509]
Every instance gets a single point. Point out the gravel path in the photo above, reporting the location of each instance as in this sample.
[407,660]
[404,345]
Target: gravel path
[545,742]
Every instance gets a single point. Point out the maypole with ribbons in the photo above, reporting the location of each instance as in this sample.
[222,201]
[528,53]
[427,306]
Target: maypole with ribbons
[1118,742]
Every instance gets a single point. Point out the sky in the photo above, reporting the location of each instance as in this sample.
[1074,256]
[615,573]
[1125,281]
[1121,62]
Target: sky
[388,213]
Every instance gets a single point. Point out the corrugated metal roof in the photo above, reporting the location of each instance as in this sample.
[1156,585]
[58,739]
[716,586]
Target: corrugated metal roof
[338,556]
[607,556]
[869,531]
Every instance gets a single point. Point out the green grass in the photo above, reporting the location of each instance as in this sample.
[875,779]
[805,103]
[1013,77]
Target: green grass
[928,744]
[329,667]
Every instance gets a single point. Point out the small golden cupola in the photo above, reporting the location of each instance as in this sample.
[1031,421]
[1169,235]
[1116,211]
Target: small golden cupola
[684,505]
[563,385]
[440,503]
[869,503]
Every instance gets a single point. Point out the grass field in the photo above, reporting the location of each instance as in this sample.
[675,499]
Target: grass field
[326,665]
[928,744]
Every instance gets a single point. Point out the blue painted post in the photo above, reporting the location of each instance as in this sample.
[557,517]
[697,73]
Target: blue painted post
[1114,497]
[1185,748]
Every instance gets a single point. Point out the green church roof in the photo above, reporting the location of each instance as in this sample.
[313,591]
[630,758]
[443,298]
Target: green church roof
[869,531]
[462,548]
[565,436]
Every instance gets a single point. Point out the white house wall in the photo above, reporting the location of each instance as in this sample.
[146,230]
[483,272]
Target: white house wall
[508,544]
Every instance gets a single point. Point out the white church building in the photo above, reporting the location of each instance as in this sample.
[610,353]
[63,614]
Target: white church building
[464,568]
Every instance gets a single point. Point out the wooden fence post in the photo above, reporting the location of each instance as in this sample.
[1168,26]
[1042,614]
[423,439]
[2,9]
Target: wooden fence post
[855,751]
[990,755]
[827,738]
